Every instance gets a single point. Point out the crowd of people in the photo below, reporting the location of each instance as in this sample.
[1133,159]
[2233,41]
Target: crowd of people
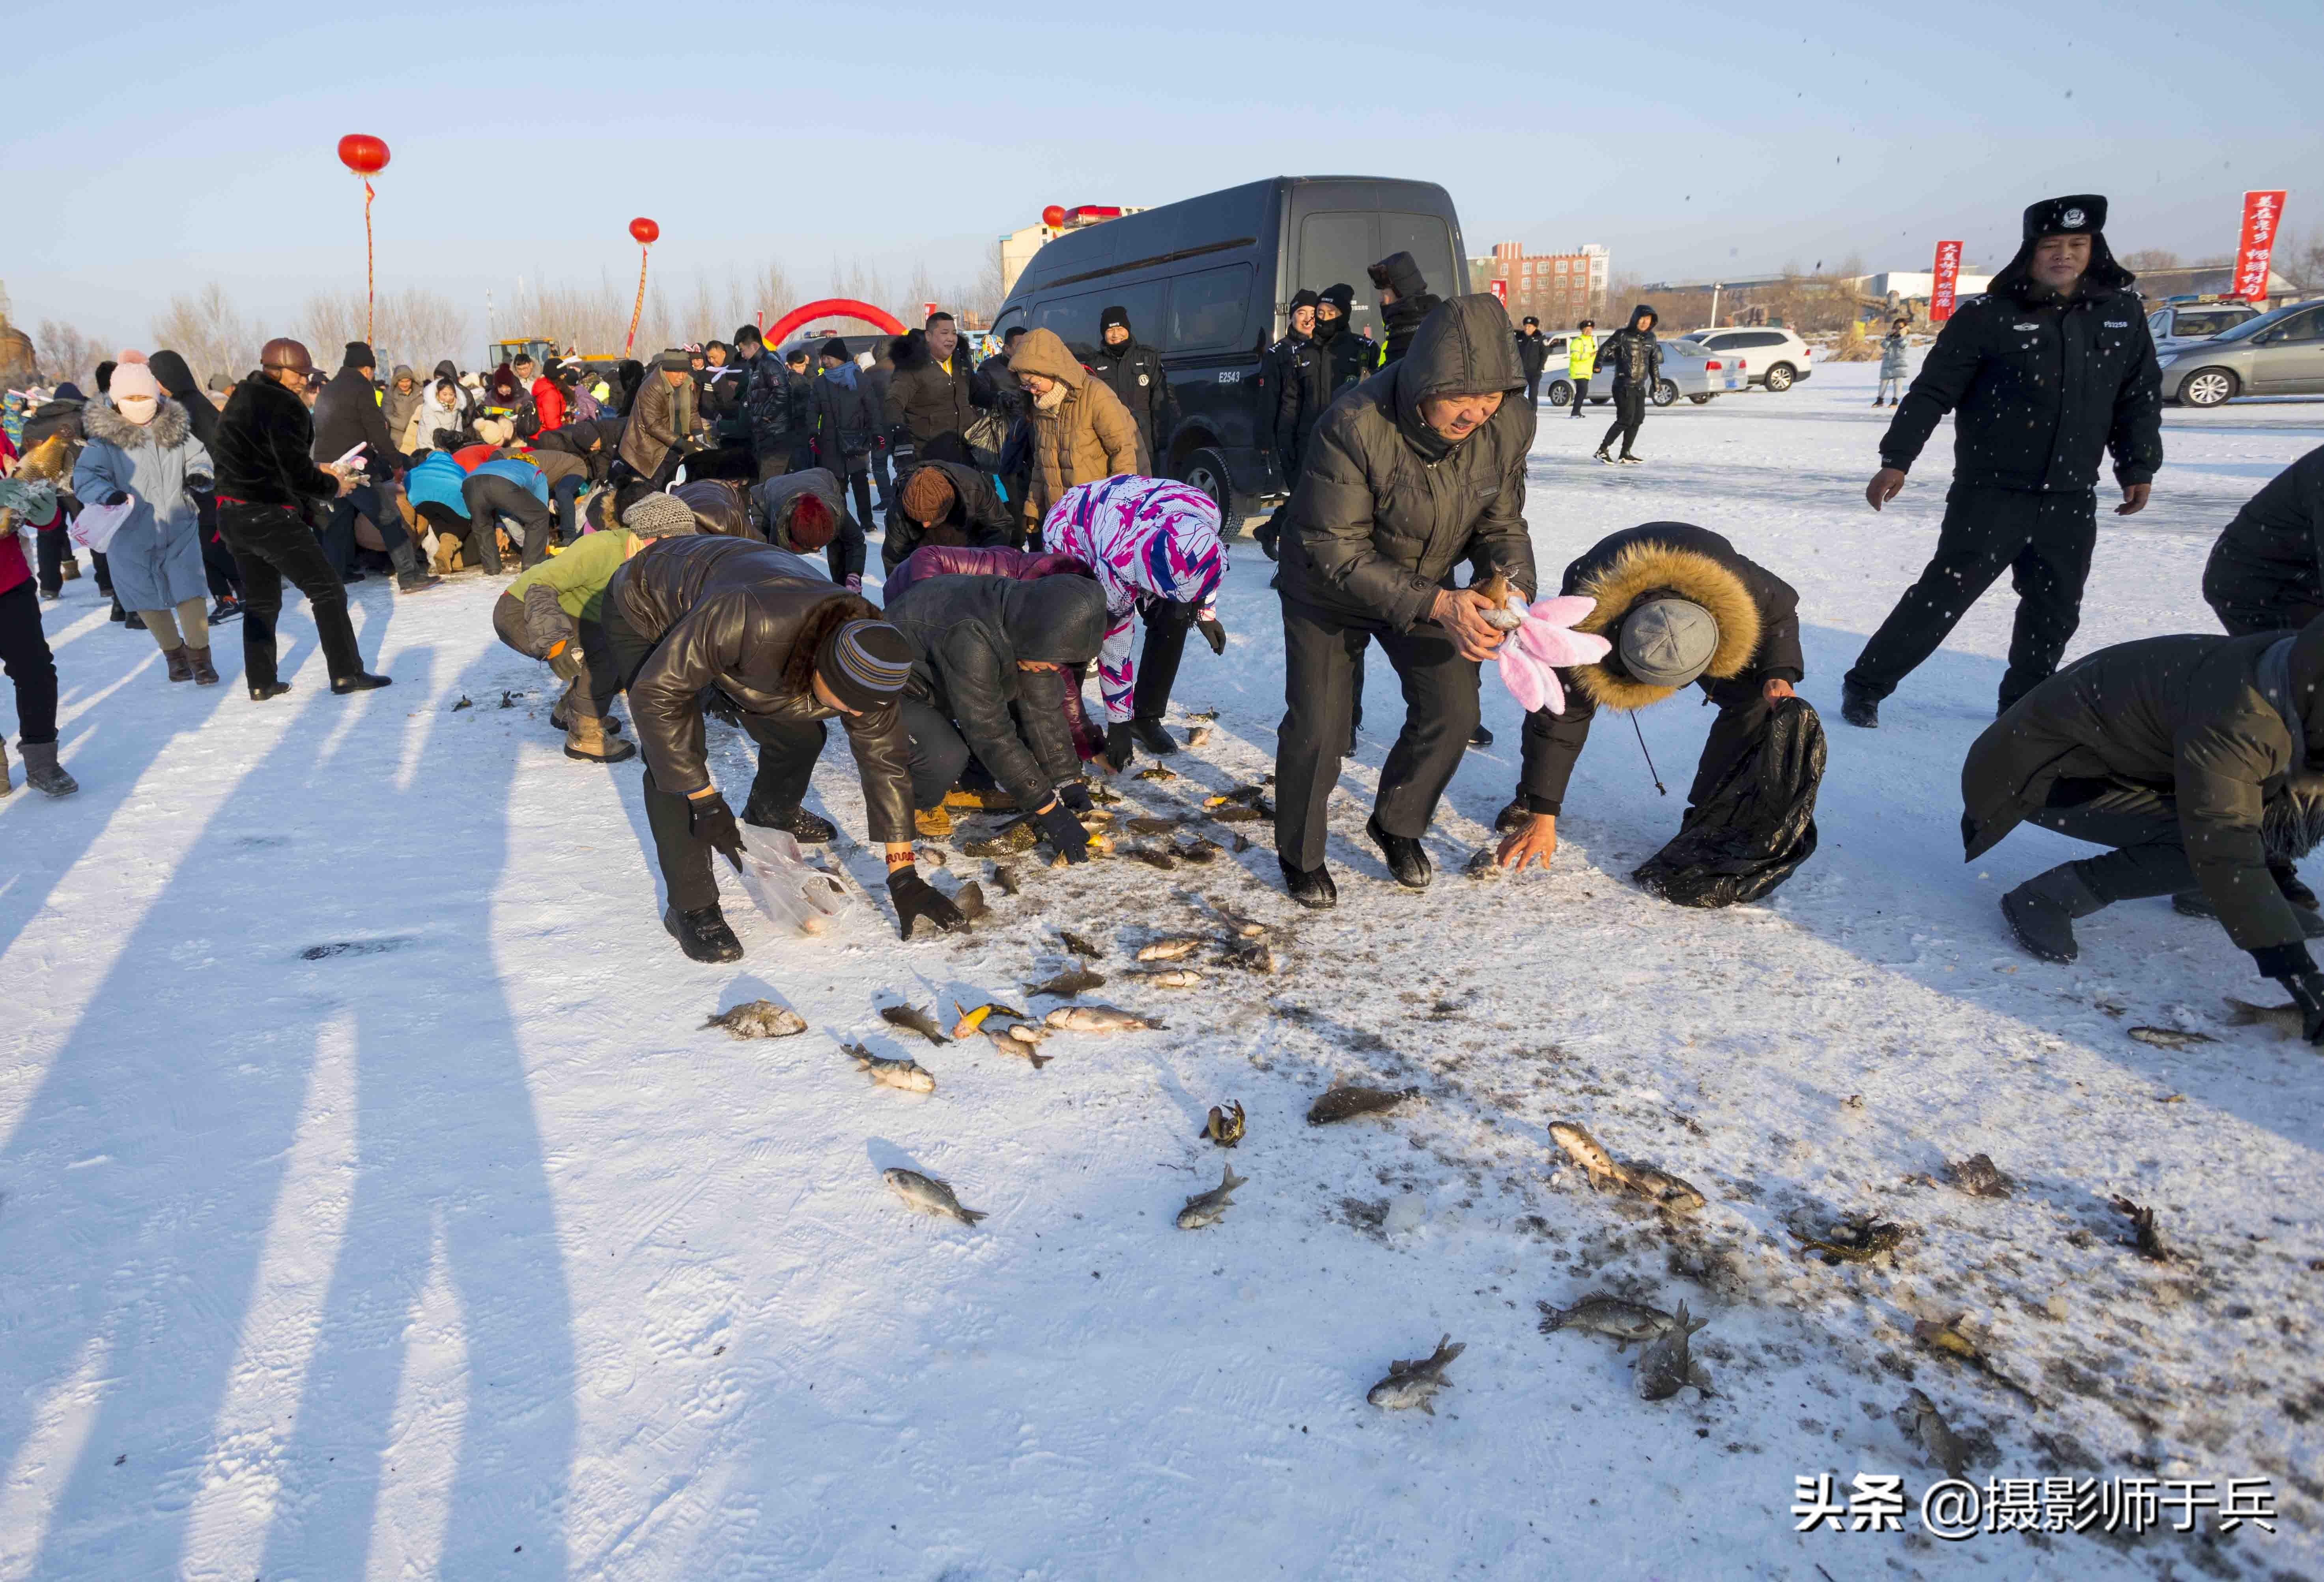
[662,517]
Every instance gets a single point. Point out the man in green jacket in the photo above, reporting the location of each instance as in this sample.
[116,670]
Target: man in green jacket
[2191,757]
[555,612]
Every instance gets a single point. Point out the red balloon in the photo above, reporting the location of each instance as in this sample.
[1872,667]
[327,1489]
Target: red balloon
[362,153]
[645,231]
[1053,216]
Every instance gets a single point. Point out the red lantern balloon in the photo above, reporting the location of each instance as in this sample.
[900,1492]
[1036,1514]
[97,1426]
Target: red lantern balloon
[1053,216]
[644,232]
[362,153]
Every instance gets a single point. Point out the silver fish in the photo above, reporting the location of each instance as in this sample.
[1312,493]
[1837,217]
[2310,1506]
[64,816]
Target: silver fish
[1979,1177]
[1211,1207]
[1667,1366]
[1927,1426]
[1200,736]
[915,1019]
[1080,946]
[2283,1019]
[928,1195]
[1589,1152]
[1415,1383]
[758,1018]
[2170,1037]
[1172,977]
[1175,949]
[1096,1019]
[1245,927]
[1072,981]
[1019,1048]
[1601,1314]
[1253,955]
[1028,1032]
[908,1075]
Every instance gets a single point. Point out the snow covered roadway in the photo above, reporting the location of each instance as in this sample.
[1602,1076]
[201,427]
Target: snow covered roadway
[372,1203]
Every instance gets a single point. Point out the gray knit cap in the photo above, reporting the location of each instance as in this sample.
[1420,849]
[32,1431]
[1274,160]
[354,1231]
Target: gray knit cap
[1668,642]
[865,663]
[659,516]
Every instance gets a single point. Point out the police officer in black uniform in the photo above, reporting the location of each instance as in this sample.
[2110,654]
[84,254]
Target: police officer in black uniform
[1133,372]
[2049,368]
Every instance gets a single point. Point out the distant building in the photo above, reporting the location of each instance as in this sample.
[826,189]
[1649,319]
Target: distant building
[1556,288]
[1910,284]
[1018,247]
[2210,280]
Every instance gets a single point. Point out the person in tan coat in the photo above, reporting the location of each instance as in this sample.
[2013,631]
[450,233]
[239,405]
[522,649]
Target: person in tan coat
[1082,432]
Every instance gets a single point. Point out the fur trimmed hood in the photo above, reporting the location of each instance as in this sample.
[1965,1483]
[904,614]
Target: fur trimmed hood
[168,430]
[1647,569]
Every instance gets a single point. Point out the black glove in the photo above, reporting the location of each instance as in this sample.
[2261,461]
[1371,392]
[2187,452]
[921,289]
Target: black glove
[567,660]
[915,899]
[711,820]
[1075,796]
[1064,831]
[716,702]
[2308,993]
[1118,747]
[1212,632]
[116,497]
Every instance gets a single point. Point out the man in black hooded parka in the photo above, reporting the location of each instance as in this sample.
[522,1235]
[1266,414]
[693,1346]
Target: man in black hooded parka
[2050,367]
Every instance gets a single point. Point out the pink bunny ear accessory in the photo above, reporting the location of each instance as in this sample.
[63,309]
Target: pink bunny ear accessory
[1544,641]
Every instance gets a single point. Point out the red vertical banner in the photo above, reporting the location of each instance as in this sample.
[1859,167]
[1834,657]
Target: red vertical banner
[928,310]
[1946,283]
[2263,216]
[1500,289]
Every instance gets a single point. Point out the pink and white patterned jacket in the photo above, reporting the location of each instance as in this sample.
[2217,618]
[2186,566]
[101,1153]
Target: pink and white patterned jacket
[1148,538]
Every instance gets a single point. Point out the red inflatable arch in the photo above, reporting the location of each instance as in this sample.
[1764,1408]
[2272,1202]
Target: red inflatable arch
[844,306]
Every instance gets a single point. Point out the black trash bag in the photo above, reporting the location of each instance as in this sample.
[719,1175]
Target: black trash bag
[1758,825]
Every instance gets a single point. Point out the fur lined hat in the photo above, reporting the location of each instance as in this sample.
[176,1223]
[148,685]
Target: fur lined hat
[1647,574]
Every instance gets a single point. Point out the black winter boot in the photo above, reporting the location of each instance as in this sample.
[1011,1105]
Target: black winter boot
[1481,737]
[1859,707]
[2042,912]
[1150,735]
[410,576]
[797,822]
[1311,887]
[43,773]
[1407,858]
[2287,879]
[703,935]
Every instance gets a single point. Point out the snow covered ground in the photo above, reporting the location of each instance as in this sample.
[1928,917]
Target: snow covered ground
[372,1203]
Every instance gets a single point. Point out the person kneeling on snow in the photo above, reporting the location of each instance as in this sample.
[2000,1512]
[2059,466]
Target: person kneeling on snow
[787,653]
[556,611]
[989,677]
[2197,759]
[1681,606]
[804,512]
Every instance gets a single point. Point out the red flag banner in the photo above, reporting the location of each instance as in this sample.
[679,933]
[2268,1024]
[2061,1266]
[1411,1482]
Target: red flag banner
[2263,216]
[1500,289]
[1947,284]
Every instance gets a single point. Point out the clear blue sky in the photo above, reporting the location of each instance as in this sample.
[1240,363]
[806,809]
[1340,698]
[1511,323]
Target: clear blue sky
[168,146]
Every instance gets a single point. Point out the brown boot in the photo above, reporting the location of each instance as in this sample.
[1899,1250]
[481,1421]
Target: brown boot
[180,667]
[586,738]
[70,571]
[205,673]
[6,784]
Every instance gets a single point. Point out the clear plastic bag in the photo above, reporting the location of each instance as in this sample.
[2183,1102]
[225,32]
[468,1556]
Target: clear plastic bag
[791,890]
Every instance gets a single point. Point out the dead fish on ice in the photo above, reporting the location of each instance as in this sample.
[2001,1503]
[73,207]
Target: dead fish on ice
[2170,1037]
[971,1020]
[928,1195]
[1200,849]
[1949,1339]
[1415,1383]
[2285,1018]
[1156,772]
[1070,982]
[1152,856]
[1199,736]
[1176,948]
[1096,1019]
[1211,1207]
[1244,927]
[1253,955]
[1664,1189]
[1854,1241]
[908,1075]
[1667,1364]
[1346,1100]
[1601,1314]
[1927,1426]
[970,900]
[1485,863]
[1080,946]
[1006,878]
[1225,1125]
[913,1019]
[1019,1048]
[1979,1177]
[1235,813]
[1170,977]
[758,1018]
[1150,826]
[1006,843]
[2145,1236]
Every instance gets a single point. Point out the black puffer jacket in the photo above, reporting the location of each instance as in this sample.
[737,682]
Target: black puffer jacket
[178,383]
[1385,508]
[2272,553]
[266,446]
[968,634]
[1533,352]
[776,408]
[1134,373]
[1631,355]
[846,421]
[2040,388]
[2198,719]
[573,437]
[347,414]
[751,633]
[977,519]
[924,400]
[1758,616]
[1312,370]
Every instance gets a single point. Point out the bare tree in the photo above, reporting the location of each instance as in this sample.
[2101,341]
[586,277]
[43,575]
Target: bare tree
[984,298]
[922,289]
[412,326]
[64,353]
[209,333]
[2147,259]
[2300,259]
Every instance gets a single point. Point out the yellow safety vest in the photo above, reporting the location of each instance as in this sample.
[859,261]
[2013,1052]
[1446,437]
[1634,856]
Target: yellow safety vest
[1581,356]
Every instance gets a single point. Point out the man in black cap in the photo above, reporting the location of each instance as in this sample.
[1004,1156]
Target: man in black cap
[847,427]
[1405,300]
[1533,353]
[1133,372]
[347,415]
[2053,365]
[1312,371]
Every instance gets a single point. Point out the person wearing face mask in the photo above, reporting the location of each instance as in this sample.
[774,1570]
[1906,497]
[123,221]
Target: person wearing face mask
[1405,301]
[1314,372]
[2052,368]
[140,454]
[1267,391]
[1418,469]
[1133,372]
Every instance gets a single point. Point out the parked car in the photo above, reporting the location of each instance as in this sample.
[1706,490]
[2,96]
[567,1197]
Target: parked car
[1687,370]
[2279,353]
[1208,282]
[1778,358]
[2180,322]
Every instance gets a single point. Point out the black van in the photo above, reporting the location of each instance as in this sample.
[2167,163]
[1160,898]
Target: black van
[1208,282]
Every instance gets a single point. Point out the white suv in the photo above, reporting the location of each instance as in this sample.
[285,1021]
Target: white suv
[1779,359]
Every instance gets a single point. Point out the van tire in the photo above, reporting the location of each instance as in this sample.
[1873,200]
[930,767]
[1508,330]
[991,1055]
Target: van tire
[1206,470]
